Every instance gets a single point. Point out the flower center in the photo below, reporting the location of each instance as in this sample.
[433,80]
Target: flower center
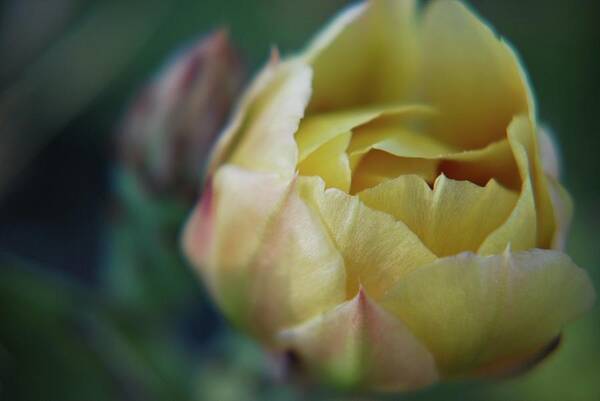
[354,150]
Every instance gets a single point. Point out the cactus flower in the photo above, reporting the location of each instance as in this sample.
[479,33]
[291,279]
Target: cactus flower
[384,206]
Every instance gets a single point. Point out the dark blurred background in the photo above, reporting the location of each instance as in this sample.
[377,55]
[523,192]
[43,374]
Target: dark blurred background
[68,70]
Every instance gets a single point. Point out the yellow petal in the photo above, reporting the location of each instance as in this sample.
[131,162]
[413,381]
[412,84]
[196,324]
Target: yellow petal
[318,129]
[377,249]
[550,156]
[314,131]
[495,161]
[231,133]
[523,130]
[266,141]
[520,228]
[367,56]
[396,132]
[471,311]
[358,344]
[297,272]
[330,162]
[377,167]
[397,141]
[400,136]
[267,258]
[531,223]
[227,228]
[473,78]
[454,217]
[563,212]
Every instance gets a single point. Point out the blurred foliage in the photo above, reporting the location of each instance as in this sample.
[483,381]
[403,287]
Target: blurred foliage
[130,321]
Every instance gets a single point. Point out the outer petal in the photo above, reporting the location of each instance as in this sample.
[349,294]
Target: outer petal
[298,272]
[472,311]
[563,212]
[377,249]
[531,223]
[520,228]
[260,136]
[553,204]
[550,155]
[366,56]
[359,344]
[266,257]
[267,142]
[473,78]
[263,252]
[226,229]
[550,161]
[453,217]
[231,133]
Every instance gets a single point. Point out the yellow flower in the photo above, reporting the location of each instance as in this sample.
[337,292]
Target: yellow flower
[379,205]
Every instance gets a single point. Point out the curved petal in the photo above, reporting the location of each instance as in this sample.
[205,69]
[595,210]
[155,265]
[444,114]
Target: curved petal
[563,212]
[266,258]
[377,167]
[297,272]
[550,155]
[531,223]
[471,76]
[398,141]
[330,162]
[375,160]
[473,310]
[226,229]
[267,139]
[453,217]
[318,129]
[358,344]
[231,133]
[520,228]
[495,161]
[401,135]
[377,249]
[367,56]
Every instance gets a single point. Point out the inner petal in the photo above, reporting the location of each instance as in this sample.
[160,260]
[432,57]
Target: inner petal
[393,145]
[367,56]
[453,217]
[330,162]
[472,76]
[353,150]
[333,145]
[495,161]
[399,135]
[378,167]
[316,130]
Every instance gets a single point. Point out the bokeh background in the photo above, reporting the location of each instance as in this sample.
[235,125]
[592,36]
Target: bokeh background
[94,307]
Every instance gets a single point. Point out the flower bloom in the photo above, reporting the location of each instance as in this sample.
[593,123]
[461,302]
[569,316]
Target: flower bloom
[380,205]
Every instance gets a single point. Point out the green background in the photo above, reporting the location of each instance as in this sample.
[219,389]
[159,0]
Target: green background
[81,320]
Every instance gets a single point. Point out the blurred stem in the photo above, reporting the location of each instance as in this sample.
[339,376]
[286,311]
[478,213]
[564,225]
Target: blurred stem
[146,269]
[75,331]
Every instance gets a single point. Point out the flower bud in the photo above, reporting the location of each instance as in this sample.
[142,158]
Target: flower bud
[173,121]
[380,206]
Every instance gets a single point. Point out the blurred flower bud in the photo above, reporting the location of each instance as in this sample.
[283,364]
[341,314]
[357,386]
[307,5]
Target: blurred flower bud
[173,121]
